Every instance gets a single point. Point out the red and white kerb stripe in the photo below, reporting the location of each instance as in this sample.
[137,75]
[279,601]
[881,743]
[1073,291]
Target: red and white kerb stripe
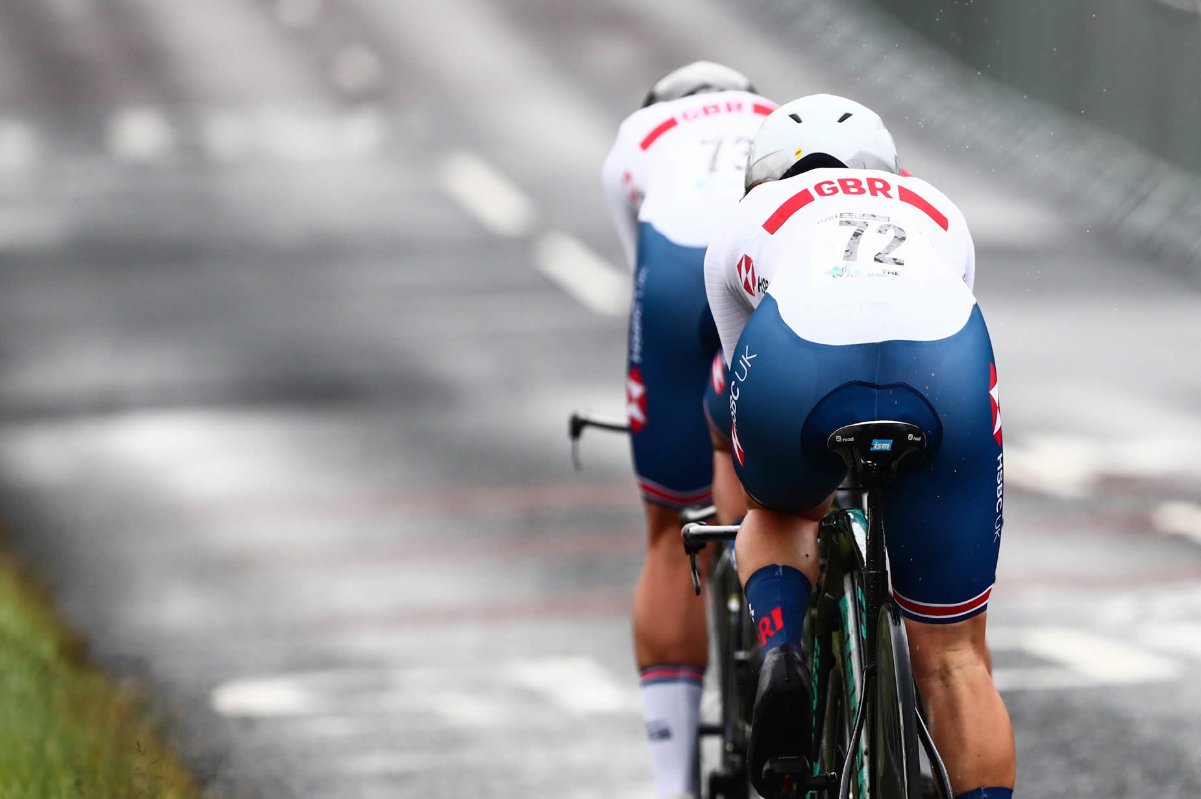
[943,614]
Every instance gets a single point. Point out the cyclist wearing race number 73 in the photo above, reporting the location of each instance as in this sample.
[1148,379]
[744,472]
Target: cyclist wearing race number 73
[675,170]
[842,293]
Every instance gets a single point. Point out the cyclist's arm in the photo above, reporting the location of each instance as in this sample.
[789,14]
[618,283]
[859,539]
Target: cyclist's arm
[728,304]
[623,188]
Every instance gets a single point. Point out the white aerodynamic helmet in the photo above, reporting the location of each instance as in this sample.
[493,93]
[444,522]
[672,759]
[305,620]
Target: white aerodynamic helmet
[695,78]
[840,128]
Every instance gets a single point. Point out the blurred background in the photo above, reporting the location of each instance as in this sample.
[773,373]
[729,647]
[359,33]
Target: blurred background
[296,296]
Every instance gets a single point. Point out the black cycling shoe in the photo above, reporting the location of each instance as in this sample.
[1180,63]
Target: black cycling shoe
[780,726]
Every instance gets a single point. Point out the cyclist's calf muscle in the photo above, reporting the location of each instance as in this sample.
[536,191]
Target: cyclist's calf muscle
[951,666]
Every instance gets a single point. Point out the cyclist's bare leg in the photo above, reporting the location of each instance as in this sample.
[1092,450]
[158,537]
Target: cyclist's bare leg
[778,563]
[967,718]
[671,646]
[769,537]
[669,619]
[727,489]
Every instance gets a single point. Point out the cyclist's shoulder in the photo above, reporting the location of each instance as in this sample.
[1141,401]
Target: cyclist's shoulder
[650,125]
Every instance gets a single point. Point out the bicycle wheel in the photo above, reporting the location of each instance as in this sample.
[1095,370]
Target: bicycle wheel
[728,779]
[896,771]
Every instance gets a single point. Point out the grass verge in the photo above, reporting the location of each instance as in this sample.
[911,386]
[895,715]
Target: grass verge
[66,732]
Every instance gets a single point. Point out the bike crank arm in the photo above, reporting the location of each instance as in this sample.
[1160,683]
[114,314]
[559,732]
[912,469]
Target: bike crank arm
[798,770]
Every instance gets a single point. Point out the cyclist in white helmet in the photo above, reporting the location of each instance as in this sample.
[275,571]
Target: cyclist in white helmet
[675,170]
[842,292]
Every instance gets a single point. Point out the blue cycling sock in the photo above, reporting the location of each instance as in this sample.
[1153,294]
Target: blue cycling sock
[777,596]
[987,793]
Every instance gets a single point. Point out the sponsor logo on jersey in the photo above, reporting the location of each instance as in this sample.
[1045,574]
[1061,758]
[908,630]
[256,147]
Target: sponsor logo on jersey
[739,372]
[752,282]
[746,274]
[635,400]
[994,397]
[717,373]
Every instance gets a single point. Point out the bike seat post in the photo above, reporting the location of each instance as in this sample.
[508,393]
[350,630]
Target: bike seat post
[872,452]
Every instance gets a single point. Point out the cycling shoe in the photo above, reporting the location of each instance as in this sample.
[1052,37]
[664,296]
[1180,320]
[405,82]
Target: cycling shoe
[780,726]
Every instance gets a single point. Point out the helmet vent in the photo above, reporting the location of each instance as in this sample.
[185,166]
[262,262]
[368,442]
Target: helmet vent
[845,117]
[795,118]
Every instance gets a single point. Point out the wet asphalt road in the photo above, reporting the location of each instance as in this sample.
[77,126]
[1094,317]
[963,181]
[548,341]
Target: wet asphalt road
[282,407]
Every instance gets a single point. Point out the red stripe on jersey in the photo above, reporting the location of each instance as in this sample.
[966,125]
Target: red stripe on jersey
[657,132]
[763,110]
[793,204]
[918,201]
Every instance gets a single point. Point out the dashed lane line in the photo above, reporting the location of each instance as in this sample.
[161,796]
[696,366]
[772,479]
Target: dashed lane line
[576,684]
[486,194]
[140,135]
[501,207]
[583,274]
[18,144]
[1178,518]
[1076,659]
[1066,658]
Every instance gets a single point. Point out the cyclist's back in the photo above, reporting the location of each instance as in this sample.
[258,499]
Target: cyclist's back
[850,256]
[841,291]
[676,166]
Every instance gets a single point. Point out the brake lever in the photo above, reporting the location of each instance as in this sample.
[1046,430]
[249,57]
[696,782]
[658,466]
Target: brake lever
[577,422]
[696,572]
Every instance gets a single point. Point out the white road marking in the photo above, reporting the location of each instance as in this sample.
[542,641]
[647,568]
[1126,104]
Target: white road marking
[1059,466]
[1178,518]
[1079,660]
[1072,465]
[487,195]
[1182,638]
[293,136]
[140,135]
[597,284]
[230,136]
[362,132]
[18,144]
[226,136]
[575,685]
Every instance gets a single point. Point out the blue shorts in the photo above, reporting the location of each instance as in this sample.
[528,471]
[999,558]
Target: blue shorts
[943,520]
[672,340]
[717,399]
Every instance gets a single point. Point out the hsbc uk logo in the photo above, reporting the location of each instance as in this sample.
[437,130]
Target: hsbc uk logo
[994,395]
[739,371]
[635,400]
[751,282]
